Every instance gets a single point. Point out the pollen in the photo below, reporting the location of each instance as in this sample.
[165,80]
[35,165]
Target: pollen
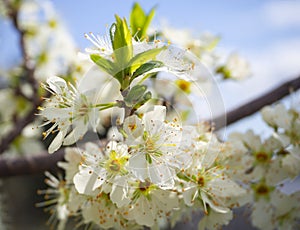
[132,127]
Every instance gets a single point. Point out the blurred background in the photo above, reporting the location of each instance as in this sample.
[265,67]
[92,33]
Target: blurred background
[266,33]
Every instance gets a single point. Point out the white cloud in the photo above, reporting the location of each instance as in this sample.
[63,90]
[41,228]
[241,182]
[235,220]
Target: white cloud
[282,14]
[279,60]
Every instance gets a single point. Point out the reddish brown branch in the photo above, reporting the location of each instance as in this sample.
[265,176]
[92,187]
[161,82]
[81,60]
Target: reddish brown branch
[40,163]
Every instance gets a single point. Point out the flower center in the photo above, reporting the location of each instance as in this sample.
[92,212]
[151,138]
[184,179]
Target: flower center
[132,127]
[144,186]
[262,157]
[185,86]
[150,145]
[83,110]
[115,166]
[201,181]
[262,190]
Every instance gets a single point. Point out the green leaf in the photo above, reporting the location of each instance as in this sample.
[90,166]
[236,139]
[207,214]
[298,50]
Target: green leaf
[147,22]
[135,94]
[144,68]
[121,41]
[139,21]
[105,64]
[143,57]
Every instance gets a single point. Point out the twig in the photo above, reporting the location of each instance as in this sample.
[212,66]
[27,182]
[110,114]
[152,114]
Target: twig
[255,105]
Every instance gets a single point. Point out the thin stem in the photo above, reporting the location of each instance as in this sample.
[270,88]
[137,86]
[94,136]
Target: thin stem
[106,107]
[112,104]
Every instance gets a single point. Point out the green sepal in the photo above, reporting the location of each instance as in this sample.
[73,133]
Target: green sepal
[147,96]
[135,94]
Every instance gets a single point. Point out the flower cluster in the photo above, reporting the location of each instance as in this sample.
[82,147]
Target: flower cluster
[158,167]
[267,166]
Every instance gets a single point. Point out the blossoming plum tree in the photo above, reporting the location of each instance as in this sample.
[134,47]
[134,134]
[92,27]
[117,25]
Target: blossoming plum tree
[153,164]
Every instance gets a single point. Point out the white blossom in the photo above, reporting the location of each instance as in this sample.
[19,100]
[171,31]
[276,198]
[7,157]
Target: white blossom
[67,108]
[237,67]
[155,154]
[149,204]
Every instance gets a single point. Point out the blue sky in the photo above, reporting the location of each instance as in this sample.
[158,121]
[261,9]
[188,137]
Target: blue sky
[267,33]
[242,24]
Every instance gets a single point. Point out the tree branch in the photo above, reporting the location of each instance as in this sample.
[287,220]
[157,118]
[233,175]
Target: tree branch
[30,164]
[255,105]
[21,122]
[45,161]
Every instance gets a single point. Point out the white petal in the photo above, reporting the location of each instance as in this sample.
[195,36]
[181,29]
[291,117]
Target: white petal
[224,187]
[138,166]
[215,207]
[214,220]
[133,127]
[161,175]
[94,119]
[166,200]
[57,142]
[262,216]
[143,214]
[86,181]
[56,83]
[118,194]
[76,134]
[158,114]
[188,196]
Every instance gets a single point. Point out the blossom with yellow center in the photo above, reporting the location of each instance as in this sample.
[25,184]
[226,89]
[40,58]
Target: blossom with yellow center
[156,155]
